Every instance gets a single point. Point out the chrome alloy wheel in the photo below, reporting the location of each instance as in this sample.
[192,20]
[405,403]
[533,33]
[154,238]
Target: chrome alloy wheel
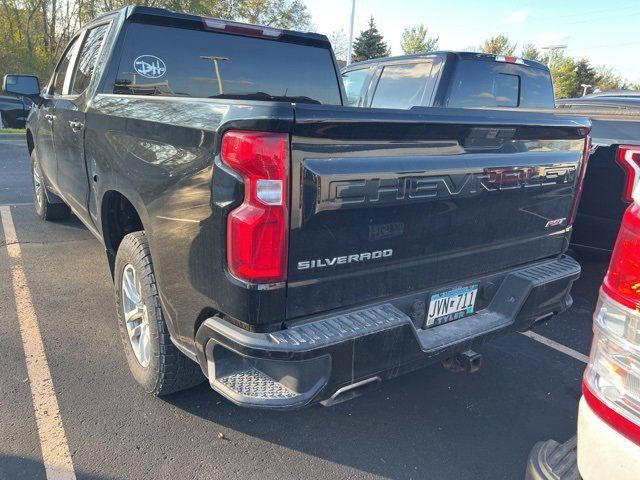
[135,316]
[38,186]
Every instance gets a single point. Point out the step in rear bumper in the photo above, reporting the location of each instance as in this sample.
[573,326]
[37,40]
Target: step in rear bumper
[311,360]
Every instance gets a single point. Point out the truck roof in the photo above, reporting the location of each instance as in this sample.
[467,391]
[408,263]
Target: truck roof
[166,17]
[458,54]
[632,102]
[615,93]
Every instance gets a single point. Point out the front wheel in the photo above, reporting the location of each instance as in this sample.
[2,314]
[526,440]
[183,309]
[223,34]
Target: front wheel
[155,362]
[45,209]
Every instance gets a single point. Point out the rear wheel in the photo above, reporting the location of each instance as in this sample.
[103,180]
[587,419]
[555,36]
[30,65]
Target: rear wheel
[155,362]
[45,209]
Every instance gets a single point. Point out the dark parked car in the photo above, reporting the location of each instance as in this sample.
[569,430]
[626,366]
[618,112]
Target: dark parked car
[292,249]
[14,111]
[614,166]
[449,79]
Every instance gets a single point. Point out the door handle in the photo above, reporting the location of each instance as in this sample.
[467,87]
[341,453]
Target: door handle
[76,126]
[49,117]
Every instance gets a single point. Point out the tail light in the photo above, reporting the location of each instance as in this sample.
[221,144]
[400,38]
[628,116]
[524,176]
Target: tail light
[229,26]
[583,171]
[629,159]
[508,59]
[612,380]
[257,230]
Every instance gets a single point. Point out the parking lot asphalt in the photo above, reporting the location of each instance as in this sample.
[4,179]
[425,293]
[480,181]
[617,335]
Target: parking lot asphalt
[428,424]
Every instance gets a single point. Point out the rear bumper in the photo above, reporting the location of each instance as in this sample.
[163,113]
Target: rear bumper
[317,358]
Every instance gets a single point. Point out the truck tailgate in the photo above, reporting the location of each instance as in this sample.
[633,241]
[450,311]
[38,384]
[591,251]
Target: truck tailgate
[385,202]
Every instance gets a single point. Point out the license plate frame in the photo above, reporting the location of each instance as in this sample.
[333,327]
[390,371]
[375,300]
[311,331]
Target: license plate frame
[451,305]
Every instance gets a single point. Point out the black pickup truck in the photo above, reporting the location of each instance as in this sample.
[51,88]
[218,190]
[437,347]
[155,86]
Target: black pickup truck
[449,80]
[291,248]
[614,166]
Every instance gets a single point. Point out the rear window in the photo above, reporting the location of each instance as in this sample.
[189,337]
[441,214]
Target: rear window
[190,63]
[479,83]
[404,86]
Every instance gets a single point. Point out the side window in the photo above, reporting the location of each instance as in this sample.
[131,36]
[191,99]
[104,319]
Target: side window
[61,72]
[353,85]
[404,86]
[87,58]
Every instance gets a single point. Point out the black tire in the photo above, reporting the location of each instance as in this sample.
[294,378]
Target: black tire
[168,369]
[45,209]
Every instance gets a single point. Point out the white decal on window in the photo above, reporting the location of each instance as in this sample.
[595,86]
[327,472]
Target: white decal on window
[150,66]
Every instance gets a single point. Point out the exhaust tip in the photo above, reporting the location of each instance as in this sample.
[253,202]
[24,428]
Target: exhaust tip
[349,392]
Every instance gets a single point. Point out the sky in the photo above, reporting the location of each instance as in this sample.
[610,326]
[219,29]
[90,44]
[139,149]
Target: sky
[602,32]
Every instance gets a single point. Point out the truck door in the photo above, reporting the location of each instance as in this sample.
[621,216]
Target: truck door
[44,138]
[68,129]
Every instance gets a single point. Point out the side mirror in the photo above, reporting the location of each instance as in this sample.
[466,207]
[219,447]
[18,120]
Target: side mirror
[21,85]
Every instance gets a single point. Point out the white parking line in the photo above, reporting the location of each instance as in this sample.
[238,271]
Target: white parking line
[557,346]
[53,441]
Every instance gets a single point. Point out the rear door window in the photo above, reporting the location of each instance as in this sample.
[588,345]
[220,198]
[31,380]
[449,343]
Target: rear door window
[404,85]
[158,60]
[354,85]
[481,83]
[87,58]
[60,74]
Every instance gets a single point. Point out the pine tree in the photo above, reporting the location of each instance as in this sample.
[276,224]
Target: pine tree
[586,76]
[369,44]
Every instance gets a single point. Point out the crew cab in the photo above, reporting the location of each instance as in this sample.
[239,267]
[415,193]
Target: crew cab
[288,247]
[449,79]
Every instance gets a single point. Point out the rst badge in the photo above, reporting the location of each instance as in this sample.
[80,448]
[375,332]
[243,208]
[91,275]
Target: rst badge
[555,222]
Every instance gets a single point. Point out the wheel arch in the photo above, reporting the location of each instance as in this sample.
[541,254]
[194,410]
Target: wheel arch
[118,217]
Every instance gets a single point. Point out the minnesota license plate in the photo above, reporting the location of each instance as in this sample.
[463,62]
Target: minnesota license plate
[451,305]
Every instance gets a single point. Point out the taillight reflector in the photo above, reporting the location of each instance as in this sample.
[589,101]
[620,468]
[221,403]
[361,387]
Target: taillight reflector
[629,159]
[619,422]
[257,230]
[622,282]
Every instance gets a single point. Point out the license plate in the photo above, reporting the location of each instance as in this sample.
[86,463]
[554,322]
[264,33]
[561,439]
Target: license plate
[451,305]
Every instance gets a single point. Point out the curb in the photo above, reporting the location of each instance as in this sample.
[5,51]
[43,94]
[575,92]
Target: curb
[13,136]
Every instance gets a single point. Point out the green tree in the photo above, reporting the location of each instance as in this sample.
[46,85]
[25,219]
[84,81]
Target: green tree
[606,79]
[586,76]
[498,45]
[416,40]
[530,52]
[565,79]
[369,44]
